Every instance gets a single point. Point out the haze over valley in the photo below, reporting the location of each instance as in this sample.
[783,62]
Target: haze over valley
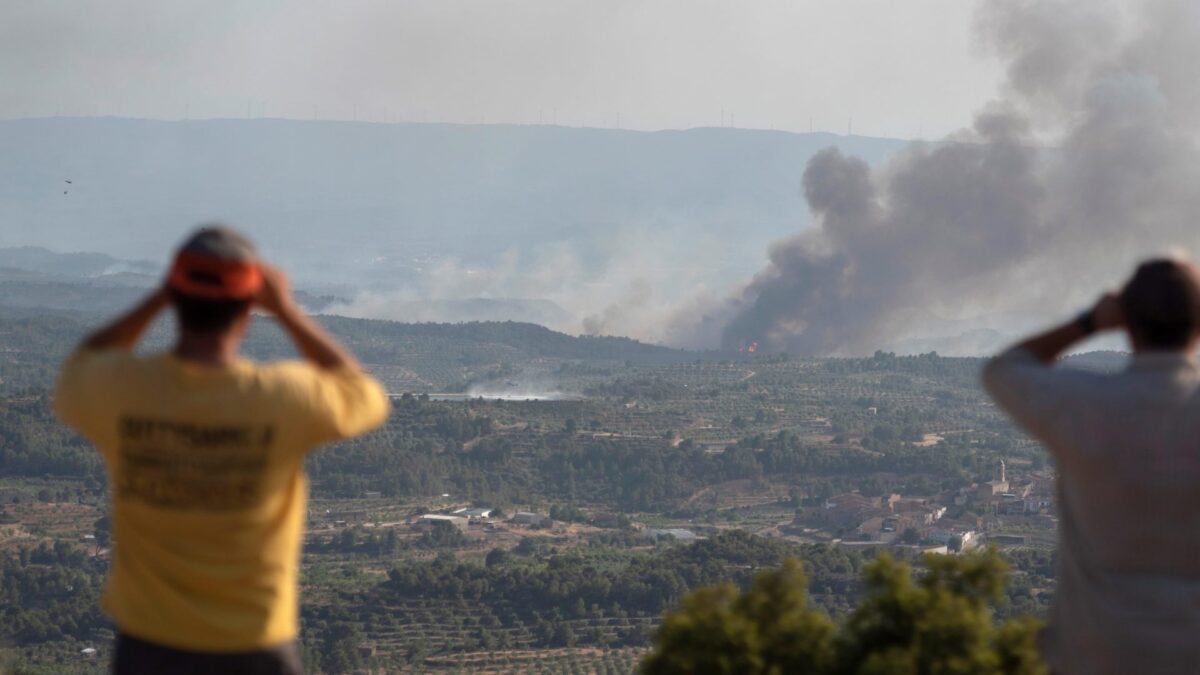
[601,231]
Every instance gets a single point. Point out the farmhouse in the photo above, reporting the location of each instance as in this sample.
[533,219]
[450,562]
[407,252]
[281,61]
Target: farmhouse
[528,518]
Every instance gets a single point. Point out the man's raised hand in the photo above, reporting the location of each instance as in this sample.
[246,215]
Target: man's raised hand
[275,296]
[1107,314]
[311,340]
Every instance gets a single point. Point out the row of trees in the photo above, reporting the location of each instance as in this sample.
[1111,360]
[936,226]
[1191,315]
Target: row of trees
[553,595]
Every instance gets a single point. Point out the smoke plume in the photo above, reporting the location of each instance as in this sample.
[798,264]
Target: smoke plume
[1084,162]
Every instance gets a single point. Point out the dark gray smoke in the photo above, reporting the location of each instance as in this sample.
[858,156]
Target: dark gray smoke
[1085,162]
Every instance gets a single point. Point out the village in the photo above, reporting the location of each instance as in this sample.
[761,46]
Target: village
[998,512]
[1004,512]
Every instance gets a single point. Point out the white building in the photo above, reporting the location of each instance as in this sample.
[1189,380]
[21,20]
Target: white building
[430,519]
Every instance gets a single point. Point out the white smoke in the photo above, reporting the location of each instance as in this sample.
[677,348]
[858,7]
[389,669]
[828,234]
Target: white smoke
[640,280]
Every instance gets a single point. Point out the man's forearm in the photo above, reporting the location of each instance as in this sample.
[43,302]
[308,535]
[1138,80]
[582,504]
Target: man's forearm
[1107,314]
[312,341]
[124,332]
[1048,346]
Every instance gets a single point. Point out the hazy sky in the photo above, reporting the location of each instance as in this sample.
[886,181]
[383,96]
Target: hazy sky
[898,67]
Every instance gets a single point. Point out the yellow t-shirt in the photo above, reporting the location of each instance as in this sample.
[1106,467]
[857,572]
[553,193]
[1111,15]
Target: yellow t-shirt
[206,471]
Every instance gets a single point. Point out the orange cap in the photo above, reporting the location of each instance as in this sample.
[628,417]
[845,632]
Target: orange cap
[213,278]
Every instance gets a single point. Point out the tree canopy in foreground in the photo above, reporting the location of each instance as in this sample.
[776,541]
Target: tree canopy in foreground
[936,622]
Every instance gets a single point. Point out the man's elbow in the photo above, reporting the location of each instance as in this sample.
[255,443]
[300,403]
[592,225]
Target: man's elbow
[374,406]
[66,408]
[67,387]
[1014,380]
[992,374]
[382,406]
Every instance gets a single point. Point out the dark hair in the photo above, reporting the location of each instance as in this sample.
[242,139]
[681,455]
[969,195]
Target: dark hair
[1161,304]
[201,315]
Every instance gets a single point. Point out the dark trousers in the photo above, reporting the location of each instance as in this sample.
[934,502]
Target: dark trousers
[138,657]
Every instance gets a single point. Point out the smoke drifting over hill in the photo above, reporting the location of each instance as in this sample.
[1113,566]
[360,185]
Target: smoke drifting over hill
[1085,162]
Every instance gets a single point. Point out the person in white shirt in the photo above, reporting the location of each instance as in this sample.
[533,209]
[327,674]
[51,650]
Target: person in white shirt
[1127,450]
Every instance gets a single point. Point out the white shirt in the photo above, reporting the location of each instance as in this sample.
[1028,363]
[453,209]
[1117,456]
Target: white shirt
[1127,447]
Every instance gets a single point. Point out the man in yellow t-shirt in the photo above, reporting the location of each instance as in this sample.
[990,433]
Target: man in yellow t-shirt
[205,456]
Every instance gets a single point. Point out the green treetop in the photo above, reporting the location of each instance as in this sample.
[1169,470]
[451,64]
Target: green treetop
[939,623]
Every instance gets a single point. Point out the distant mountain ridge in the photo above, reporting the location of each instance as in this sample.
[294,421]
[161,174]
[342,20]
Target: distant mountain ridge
[367,199]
